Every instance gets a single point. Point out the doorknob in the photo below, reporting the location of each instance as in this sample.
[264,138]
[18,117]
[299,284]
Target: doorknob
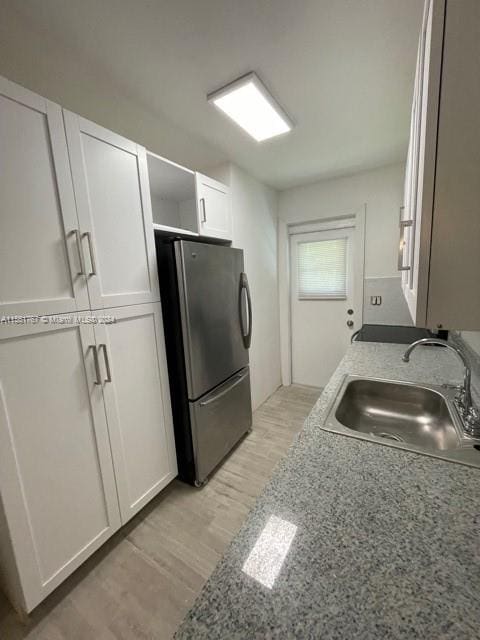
[350,323]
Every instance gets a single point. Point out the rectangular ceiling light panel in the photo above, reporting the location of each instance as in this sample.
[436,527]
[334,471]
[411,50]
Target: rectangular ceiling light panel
[248,103]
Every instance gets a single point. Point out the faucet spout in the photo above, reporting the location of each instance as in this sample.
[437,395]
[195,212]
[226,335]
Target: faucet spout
[470,414]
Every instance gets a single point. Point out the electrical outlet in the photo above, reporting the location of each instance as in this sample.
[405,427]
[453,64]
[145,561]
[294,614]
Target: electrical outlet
[375,301]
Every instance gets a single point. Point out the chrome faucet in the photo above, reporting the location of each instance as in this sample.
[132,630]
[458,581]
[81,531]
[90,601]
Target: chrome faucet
[469,413]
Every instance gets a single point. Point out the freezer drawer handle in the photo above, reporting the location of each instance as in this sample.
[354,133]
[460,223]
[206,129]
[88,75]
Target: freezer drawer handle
[247,337]
[237,380]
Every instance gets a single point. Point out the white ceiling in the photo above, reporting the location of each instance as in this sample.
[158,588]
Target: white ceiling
[343,70]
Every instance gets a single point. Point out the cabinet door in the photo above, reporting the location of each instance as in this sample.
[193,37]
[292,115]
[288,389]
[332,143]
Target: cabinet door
[111,185]
[56,475]
[408,213]
[421,166]
[41,270]
[453,294]
[214,208]
[137,399]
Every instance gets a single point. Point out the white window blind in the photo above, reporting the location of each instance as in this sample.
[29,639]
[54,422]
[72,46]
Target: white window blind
[322,269]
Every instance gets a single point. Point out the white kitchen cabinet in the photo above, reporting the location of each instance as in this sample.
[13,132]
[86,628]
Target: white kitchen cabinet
[42,267]
[57,483]
[186,202]
[110,180]
[80,451]
[214,208]
[86,440]
[135,386]
[440,223]
[172,195]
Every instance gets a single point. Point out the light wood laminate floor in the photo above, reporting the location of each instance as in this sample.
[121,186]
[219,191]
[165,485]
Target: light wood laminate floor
[142,582]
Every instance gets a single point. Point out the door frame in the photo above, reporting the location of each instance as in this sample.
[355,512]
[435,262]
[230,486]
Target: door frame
[355,220]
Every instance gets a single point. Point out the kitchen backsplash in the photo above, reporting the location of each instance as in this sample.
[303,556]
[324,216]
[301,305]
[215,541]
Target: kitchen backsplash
[390,307]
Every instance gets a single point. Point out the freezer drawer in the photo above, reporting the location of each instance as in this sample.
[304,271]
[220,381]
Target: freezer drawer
[219,419]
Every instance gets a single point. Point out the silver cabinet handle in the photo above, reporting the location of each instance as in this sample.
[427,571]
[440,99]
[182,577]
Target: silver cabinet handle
[96,363]
[204,210]
[103,347]
[401,245]
[78,239]
[93,271]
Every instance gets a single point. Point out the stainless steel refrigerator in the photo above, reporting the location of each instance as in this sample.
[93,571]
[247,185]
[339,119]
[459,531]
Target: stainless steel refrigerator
[207,316]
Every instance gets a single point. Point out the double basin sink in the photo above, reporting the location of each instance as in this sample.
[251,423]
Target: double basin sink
[419,418]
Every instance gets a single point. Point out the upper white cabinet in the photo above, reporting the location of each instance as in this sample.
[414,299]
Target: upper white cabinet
[57,484]
[135,383]
[214,208]
[187,202]
[172,194]
[440,220]
[42,266]
[110,179]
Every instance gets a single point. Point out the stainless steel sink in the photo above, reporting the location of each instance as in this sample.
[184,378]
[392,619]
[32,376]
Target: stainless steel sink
[420,418]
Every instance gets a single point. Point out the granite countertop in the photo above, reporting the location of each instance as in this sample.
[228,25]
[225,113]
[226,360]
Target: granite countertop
[384,543]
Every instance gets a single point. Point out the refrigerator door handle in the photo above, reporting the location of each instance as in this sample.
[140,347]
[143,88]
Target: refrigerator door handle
[239,377]
[247,336]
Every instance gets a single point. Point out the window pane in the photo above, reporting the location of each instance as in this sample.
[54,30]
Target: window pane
[322,269]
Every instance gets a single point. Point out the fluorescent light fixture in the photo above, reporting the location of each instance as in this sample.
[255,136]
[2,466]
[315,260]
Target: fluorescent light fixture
[269,552]
[248,103]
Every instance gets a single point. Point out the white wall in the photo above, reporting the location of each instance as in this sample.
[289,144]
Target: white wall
[379,190]
[254,209]
[55,72]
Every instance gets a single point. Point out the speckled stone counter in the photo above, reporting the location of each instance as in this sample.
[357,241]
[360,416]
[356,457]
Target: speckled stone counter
[386,543]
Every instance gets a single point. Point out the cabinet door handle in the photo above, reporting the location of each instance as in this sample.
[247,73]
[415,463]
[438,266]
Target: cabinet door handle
[204,210]
[103,347]
[93,347]
[78,239]
[401,245]
[93,271]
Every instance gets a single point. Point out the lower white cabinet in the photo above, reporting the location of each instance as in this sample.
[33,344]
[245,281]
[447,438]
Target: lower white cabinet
[86,440]
[135,387]
[56,474]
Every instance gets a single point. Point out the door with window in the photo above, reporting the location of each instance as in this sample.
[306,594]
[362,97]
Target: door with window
[322,302]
